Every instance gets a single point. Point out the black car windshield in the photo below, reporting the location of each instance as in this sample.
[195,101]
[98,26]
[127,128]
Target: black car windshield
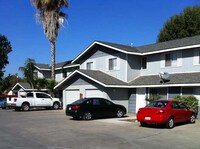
[79,101]
[161,104]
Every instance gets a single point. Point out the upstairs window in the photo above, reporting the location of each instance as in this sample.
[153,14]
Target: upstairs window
[89,65]
[144,62]
[112,64]
[170,59]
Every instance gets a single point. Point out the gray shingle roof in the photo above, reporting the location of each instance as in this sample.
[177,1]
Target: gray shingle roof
[57,65]
[122,47]
[61,64]
[43,66]
[174,79]
[103,77]
[188,41]
[181,78]
[25,85]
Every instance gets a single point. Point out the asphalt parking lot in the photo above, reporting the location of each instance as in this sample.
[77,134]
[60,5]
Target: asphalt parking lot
[49,129]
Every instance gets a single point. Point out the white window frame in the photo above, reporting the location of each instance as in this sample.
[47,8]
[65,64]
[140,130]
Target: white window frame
[196,57]
[90,64]
[173,59]
[115,66]
[142,63]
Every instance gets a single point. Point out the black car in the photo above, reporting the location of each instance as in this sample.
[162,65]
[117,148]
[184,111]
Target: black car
[89,108]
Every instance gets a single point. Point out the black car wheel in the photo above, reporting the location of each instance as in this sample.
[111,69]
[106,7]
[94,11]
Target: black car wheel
[170,123]
[25,107]
[120,113]
[87,116]
[192,118]
[56,106]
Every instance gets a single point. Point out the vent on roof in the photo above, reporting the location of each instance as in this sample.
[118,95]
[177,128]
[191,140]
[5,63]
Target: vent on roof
[131,44]
[164,76]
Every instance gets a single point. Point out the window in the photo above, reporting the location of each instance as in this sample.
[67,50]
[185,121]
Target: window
[89,65]
[40,95]
[112,64]
[174,105]
[144,62]
[170,59]
[29,95]
[96,102]
[64,74]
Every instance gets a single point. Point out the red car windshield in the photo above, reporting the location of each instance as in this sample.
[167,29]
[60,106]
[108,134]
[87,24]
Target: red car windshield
[161,104]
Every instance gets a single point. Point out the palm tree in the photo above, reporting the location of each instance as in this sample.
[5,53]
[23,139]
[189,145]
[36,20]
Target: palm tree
[51,14]
[28,71]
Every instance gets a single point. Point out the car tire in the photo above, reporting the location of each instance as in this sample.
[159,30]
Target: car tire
[25,107]
[120,113]
[56,106]
[170,123]
[87,116]
[192,118]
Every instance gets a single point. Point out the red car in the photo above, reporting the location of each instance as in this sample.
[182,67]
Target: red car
[166,112]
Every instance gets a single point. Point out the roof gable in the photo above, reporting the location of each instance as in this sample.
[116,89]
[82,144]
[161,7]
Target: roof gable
[96,76]
[23,85]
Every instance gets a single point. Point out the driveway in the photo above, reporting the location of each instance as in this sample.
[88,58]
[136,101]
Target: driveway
[49,129]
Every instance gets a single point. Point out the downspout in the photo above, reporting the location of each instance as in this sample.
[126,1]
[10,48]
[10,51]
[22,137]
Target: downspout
[126,71]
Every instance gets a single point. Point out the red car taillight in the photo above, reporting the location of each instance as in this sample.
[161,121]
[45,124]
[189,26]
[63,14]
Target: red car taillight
[15,100]
[75,107]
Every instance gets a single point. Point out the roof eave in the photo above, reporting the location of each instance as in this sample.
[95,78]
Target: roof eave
[172,49]
[105,45]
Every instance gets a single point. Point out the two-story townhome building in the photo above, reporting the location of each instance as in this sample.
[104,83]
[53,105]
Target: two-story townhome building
[62,70]
[127,74]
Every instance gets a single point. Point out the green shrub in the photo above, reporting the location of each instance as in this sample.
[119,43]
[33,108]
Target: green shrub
[189,101]
[152,98]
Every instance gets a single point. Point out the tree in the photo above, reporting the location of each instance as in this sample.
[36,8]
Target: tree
[41,83]
[8,82]
[51,14]
[5,49]
[50,87]
[186,24]
[28,71]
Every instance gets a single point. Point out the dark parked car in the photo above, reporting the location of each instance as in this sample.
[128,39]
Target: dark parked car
[89,108]
[166,112]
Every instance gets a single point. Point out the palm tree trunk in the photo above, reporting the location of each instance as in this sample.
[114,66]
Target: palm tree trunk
[53,60]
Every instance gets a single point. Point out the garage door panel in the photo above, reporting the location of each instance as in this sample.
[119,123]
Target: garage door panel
[93,93]
[72,95]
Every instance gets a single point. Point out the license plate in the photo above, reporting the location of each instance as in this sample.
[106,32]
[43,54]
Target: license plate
[147,118]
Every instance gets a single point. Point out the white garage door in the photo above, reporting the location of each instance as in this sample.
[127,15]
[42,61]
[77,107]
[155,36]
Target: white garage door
[71,96]
[93,93]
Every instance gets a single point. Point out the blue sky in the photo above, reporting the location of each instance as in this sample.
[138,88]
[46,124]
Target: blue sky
[118,21]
